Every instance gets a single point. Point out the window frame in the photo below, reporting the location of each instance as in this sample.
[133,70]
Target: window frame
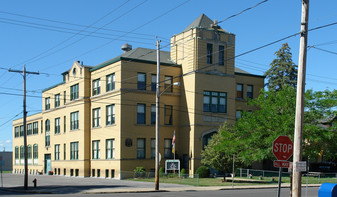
[239,93]
[168,114]
[96,117]
[57,152]
[74,92]
[209,53]
[74,150]
[168,83]
[141,150]
[110,82]
[29,129]
[96,149]
[47,103]
[221,104]
[35,127]
[57,125]
[110,114]
[57,102]
[110,151]
[141,116]
[221,55]
[153,82]
[74,120]
[96,87]
[167,148]
[250,94]
[141,85]
[153,114]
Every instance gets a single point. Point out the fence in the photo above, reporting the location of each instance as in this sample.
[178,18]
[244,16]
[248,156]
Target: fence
[163,178]
[310,177]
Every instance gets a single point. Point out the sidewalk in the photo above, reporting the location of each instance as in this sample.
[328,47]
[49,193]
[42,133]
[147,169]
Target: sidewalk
[72,185]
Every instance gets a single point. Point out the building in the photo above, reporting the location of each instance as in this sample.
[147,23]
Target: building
[100,121]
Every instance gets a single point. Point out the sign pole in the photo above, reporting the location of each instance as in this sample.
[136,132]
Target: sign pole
[279,182]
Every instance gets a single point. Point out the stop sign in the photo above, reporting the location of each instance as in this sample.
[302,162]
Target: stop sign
[283,147]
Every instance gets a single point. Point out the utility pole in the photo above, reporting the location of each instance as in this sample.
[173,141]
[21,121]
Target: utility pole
[157,117]
[24,72]
[296,190]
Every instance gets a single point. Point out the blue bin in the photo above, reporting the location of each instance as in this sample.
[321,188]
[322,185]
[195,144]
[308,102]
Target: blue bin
[327,190]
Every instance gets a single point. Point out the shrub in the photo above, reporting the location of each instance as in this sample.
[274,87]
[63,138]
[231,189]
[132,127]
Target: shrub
[183,171]
[161,170]
[139,172]
[203,172]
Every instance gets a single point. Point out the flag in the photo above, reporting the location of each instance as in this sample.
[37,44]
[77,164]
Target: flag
[173,141]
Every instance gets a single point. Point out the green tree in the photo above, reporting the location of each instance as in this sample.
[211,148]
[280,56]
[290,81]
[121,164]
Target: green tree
[252,136]
[216,157]
[283,71]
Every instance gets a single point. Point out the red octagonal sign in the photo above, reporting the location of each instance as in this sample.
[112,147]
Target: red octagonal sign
[283,147]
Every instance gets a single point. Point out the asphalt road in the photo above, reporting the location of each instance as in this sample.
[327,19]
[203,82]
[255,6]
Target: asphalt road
[312,192]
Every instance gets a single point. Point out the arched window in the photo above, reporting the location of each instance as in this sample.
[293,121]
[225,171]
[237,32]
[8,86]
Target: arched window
[47,125]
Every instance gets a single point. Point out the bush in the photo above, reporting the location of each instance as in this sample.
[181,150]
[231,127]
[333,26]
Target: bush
[139,172]
[203,172]
[161,171]
[183,171]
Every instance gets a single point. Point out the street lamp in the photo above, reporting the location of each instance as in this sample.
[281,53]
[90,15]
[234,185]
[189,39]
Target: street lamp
[158,94]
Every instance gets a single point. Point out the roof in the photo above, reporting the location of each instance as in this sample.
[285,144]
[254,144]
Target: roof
[239,71]
[140,55]
[201,22]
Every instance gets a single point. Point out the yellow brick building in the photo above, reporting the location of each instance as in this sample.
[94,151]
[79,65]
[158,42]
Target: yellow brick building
[100,121]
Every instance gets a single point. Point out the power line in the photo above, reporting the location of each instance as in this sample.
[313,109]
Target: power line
[243,11]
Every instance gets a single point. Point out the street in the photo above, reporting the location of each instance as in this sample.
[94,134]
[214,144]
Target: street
[312,192]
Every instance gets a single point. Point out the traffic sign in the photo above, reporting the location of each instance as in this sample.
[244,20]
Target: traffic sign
[281,164]
[283,148]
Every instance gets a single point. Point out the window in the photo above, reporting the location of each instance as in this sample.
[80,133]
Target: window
[110,114]
[74,150]
[168,84]
[57,152]
[110,82]
[141,148]
[221,55]
[57,125]
[16,152]
[16,131]
[74,92]
[35,127]
[74,120]
[41,126]
[238,114]
[141,83]
[29,154]
[96,87]
[153,148]
[64,124]
[168,148]
[250,91]
[140,113]
[215,102]
[96,117]
[35,153]
[168,114]
[64,152]
[29,129]
[64,97]
[153,114]
[96,153]
[239,90]
[22,154]
[47,103]
[209,53]
[110,149]
[153,82]
[21,130]
[47,133]
[57,100]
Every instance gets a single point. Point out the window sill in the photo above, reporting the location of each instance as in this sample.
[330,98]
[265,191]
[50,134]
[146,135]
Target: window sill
[110,125]
[98,127]
[74,130]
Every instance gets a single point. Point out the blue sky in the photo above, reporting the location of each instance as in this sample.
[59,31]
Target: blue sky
[48,36]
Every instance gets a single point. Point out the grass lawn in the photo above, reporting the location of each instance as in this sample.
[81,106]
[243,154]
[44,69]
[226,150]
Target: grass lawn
[238,182]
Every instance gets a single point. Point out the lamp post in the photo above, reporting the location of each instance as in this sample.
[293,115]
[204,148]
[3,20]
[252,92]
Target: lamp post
[158,94]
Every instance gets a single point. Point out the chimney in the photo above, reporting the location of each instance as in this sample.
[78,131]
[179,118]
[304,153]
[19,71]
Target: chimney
[126,47]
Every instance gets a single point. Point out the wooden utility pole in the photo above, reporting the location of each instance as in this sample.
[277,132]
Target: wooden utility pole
[157,118]
[296,190]
[24,72]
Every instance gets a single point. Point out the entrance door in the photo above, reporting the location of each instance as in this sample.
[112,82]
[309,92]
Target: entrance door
[47,163]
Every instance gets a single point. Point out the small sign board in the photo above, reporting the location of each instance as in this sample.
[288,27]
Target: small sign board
[301,166]
[281,164]
[172,165]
